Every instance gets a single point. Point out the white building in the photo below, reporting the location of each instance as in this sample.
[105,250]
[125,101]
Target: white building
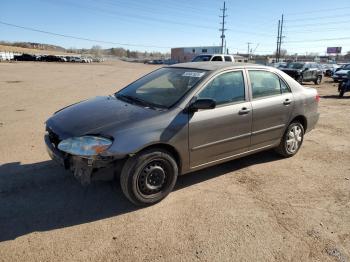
[186,54]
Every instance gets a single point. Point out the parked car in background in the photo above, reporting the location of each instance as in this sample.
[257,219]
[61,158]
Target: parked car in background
[279,64]
[85,60]
[304,72]
[342,73]
[50,58]
[25,57]
[154,62]
[344,86]
[214,58]
[179,119]
[97,59]
[75,59]
[331,69]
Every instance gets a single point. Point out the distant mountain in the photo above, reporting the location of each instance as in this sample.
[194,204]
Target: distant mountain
[38,46]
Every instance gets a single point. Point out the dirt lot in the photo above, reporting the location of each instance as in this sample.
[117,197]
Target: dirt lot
[259,208]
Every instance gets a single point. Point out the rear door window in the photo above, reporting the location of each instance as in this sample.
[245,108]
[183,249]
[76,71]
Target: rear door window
[228,59]
[266,84]
[217,58]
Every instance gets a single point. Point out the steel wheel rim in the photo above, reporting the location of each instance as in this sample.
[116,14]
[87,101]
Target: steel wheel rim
[154,177]
[294,139]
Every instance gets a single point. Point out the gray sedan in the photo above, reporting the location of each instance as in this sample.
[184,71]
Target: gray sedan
[179,119]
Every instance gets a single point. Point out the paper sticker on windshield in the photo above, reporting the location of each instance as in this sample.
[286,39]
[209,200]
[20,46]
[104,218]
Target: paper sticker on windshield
[193,74]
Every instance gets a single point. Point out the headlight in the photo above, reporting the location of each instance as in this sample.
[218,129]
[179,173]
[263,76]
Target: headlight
[84,145]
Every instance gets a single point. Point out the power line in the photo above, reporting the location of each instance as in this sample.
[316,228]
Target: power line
[151,11]
[79,38]
[134,16]
[317,24]
[319,40]
[318,30]
[150,19]
[317,18]
[320,10]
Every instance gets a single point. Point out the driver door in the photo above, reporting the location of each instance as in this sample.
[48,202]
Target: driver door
[219,133]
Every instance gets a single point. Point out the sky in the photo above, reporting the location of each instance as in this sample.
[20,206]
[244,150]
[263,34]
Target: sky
[149,25]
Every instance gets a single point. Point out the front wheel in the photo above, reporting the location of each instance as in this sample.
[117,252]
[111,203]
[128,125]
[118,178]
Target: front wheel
[291,140]
[149,176]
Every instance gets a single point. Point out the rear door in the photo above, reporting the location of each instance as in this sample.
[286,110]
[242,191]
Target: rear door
[216,134]
[272,103]
[306,72]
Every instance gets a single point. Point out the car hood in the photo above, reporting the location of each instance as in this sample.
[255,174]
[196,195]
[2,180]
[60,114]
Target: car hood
[342,72]
[99,115]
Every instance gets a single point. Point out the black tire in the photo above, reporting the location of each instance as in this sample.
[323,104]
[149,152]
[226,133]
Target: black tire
[284,148]
[149,176]
[300,79]
[318,80]
[341,93]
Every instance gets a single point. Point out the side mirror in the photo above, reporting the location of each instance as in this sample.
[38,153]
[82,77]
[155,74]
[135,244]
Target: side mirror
[202,103]
[306,68]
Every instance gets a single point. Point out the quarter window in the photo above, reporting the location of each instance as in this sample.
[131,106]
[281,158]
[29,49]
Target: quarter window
[225,88]
[284,87]
[228,59]
[266,84]
[217,58]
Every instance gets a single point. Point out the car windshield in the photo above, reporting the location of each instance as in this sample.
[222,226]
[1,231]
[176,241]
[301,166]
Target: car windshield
[202,58]
[295,65]
[346,67]
[161,88]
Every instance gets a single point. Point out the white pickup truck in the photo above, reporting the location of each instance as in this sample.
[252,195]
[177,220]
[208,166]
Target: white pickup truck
[214,58]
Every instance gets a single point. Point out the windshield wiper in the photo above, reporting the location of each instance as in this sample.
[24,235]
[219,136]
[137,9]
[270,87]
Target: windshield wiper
[133,100]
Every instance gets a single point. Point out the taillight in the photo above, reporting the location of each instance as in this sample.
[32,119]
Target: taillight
[317,98]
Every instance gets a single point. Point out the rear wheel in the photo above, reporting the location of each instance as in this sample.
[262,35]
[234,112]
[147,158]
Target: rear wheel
[149,176]
[291,140]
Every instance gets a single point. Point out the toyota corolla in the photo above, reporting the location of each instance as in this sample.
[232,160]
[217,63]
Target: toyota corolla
[179,119]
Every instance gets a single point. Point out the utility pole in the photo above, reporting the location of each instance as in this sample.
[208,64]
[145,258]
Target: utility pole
[223,27]
[249,43]
[278,40]
[281,36]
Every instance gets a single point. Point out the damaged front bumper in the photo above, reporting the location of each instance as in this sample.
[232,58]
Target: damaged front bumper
[85,169]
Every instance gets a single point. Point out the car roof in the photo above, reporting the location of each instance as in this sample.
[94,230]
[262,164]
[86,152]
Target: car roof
[213,66]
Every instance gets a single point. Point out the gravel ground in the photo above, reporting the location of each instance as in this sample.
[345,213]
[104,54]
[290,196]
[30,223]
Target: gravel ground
[259,208]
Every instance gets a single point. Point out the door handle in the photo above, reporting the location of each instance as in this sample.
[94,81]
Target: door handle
[287,102]
[244,111]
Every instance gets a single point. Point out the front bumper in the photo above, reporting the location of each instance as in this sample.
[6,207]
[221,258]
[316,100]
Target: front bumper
[340,77]
[84,169]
